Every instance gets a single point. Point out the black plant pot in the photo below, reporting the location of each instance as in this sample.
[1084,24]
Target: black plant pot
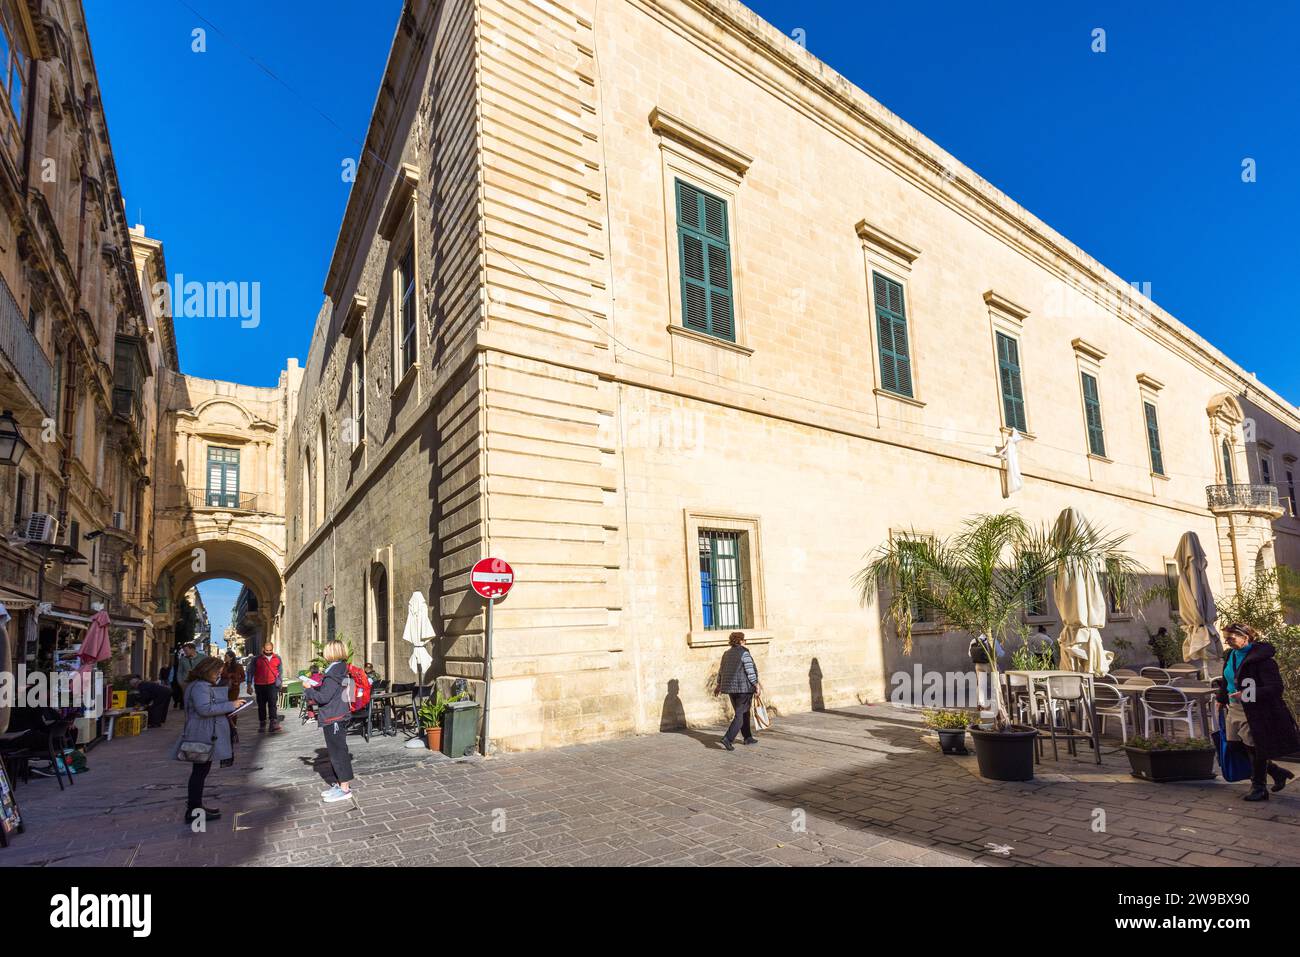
[952,740]
[1005,755]
[1162,766]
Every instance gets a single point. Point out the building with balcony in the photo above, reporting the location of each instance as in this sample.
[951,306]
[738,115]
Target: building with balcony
[646,300]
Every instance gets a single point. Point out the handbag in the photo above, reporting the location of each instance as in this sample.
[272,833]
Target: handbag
[195,752]
[760,718]
[1234,762]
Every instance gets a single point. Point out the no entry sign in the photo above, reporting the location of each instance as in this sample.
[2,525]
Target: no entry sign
[491,578]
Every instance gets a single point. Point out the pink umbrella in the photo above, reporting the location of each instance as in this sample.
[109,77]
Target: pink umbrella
[94,647]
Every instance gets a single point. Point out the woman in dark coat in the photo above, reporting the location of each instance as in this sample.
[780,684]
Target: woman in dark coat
[738,679]
[1257,714]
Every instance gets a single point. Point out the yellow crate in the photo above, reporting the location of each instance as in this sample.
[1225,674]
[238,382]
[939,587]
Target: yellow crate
[119,700]
[128,725]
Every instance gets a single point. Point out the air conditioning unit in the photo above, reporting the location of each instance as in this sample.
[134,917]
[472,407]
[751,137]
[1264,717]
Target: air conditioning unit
[119,519]
[41,527]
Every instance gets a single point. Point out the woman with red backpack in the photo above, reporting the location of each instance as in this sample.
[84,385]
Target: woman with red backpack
[332,701]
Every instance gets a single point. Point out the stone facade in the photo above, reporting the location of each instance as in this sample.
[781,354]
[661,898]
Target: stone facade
[553,409]
[81,352]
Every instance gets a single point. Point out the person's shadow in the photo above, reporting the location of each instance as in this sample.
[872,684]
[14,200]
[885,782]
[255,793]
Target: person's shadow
[672,718]
[815,686]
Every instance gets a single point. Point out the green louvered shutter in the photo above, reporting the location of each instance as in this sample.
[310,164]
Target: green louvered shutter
[891,333]
[1092,412]
[1013,393]
[704,250]
[1153,439]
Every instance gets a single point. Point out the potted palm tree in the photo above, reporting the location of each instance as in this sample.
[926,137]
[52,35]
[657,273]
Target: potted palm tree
[977,583]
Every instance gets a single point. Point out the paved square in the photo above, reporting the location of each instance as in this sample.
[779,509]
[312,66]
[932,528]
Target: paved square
[861,785]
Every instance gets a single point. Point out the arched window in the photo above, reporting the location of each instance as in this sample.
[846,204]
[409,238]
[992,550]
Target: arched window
[1227,463]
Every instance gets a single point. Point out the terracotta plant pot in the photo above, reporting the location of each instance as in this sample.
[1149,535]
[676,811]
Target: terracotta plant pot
[433,736]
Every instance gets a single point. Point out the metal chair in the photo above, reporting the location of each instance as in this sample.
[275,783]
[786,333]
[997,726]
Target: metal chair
[1110,703]
[1159,675]
[1167,705]
[46,744]
[1064,693]
[1105,679]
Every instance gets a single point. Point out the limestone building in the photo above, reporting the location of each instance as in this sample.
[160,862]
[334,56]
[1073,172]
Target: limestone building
[81,353]
[651,303]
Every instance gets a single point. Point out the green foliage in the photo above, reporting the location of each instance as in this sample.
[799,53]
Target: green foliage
[980,580]
[1168,647]
[432,709]
[1286,643]
[949,720]
[318,651]
[1034,653]
[1161,743]
[1259,605]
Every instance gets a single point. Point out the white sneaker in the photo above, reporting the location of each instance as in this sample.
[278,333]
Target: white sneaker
[335,794]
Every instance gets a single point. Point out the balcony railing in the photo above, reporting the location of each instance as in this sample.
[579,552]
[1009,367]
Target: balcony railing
[234,501]
[1243,496]
[24,352]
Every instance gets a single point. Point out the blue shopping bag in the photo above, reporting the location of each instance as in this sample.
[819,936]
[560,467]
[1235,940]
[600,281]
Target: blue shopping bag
[1234,762]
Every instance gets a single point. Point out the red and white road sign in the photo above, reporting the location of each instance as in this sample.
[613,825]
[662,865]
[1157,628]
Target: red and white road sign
[491,578]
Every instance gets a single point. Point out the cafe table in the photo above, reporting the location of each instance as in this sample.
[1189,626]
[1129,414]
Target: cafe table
[1033,678]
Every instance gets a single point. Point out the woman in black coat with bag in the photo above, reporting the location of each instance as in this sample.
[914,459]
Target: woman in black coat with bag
[1257,714]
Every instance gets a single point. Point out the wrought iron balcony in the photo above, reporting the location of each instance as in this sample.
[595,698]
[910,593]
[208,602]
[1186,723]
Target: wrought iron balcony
[1244,497]
[231,501]
[24,352]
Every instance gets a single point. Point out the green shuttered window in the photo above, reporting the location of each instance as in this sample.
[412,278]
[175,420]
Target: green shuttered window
[1153,438]
[891,334]
[704,251]
[1013,392]
[1092,413]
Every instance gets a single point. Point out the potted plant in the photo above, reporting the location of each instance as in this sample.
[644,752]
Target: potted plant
[977,583]
[950,726]
[430,713]
[1162,759]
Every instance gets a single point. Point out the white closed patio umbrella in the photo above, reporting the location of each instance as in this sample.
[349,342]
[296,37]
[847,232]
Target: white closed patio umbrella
[1196,608]
[419,632]
[1081,602]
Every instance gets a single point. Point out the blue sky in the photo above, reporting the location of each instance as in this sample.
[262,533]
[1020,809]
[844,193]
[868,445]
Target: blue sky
[1135,154]
[219,596]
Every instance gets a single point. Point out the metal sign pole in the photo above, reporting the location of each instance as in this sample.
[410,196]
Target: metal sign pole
[487,674]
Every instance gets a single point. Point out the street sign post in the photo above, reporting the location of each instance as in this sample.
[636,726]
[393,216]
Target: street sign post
[491,579]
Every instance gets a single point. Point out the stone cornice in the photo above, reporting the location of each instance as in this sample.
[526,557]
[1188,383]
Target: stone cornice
[737,36]
[1084,347]
[673,128]
[876,238]
[1001,304]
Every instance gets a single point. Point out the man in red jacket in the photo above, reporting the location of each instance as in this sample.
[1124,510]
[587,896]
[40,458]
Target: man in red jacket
[265,678]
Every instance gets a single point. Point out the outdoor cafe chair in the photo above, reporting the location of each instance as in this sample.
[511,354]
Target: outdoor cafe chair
[1159,675]
[1167,705]
[49,744]
[1105,679]
[1124,673]
[1027,710]
[1064,693]
[1109,702]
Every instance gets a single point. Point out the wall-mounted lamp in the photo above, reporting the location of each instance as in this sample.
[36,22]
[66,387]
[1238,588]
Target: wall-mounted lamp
[12,443]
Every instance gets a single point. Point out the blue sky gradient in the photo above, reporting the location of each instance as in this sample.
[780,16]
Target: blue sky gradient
[1135,154]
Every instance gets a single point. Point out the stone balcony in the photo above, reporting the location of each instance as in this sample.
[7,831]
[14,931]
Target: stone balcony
[1250,499]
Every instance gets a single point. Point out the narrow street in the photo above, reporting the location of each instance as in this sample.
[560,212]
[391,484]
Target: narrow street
[860,785]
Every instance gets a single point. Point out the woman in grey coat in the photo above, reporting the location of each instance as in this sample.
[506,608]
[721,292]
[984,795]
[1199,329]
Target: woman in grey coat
[207,703]
[738,678]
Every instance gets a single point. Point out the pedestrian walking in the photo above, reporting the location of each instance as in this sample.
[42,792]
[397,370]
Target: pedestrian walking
[265,681]
[738,679]
[206,724]
[232,676]
[333,715]
[1256,713]
[186,658]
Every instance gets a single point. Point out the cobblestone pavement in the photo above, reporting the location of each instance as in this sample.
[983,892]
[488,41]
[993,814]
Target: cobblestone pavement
[860,785]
